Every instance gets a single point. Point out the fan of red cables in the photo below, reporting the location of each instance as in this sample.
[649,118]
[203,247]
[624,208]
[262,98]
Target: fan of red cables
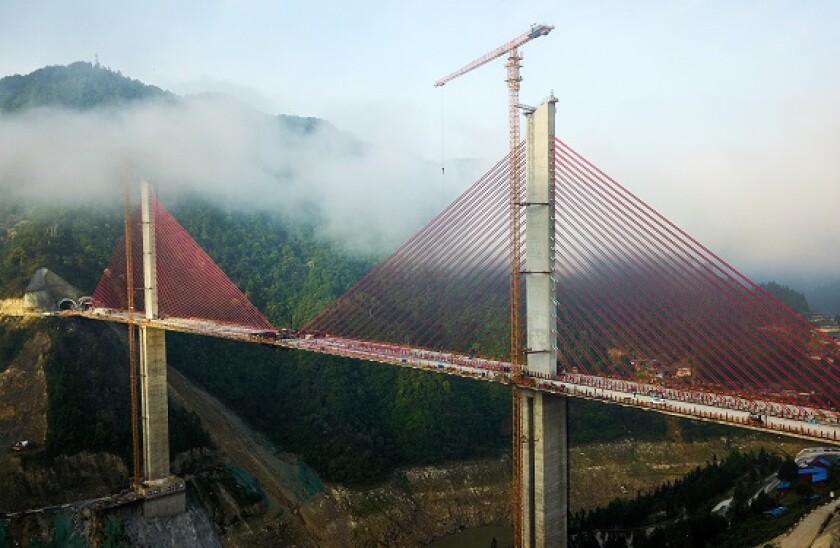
[190,284]
[637,298]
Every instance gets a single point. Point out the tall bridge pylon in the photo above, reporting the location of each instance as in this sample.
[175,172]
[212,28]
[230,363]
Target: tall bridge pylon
[157,479]
[542,462]
[632,301]
[181,283]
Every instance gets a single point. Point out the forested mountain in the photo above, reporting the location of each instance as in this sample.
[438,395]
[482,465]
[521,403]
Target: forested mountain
[83,86]
[351,420]
[286,270]
[793,299]
[79,86]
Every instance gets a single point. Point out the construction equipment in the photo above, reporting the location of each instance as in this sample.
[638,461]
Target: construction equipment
[513,81]
[132,336]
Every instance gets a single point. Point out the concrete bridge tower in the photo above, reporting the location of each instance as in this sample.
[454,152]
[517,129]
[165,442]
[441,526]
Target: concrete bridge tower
[543,417]
[164,493]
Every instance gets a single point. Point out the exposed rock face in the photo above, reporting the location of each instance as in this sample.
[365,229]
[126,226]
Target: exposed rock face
[191,529]
[29,480]
[420,504]
[412,508]
[11,307]
[23,395]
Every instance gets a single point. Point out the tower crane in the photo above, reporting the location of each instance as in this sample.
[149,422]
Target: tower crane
[513,81]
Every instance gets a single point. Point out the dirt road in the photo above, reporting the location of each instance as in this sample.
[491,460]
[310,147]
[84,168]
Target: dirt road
[806,532]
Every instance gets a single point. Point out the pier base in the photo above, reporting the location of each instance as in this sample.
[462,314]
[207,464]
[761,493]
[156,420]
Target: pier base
[545,470]
[164,493]
[172,504]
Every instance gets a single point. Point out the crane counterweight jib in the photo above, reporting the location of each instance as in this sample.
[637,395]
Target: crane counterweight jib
[535,31]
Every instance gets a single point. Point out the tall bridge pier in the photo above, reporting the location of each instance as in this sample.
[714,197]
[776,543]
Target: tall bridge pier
[164,493]
[544,480]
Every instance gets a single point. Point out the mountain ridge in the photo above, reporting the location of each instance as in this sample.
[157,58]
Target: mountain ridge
[82,85]
[79,85]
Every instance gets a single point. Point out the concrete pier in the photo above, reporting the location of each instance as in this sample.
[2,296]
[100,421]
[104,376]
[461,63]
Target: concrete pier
[545,463]
[154,406]
[545,456]
[540,294]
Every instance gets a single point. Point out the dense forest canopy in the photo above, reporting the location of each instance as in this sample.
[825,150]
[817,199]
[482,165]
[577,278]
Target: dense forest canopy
[793,299]
[79,85]
[286,270]
[682,512]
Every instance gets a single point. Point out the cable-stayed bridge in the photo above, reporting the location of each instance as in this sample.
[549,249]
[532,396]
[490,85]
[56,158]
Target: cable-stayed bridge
[649,309]
[630,310]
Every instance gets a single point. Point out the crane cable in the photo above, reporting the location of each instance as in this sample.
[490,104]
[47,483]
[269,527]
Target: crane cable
[442,147]
[442,136]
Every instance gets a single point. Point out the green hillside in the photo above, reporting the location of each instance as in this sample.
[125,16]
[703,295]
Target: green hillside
[353,421]
[79,86]
[793,299]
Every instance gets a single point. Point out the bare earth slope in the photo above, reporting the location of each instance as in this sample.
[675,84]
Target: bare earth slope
[23,394]
[411,508]
[249,450]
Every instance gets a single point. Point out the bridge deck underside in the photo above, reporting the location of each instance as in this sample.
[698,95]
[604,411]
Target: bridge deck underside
[810,423]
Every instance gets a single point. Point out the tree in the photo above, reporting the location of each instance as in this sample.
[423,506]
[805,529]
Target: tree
[788,471]
[804,489]
[761,503]
[793,299]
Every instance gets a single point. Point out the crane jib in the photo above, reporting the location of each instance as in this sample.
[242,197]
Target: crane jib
[534,32]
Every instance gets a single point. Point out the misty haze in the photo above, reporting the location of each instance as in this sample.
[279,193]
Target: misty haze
[367,196]
[420,274]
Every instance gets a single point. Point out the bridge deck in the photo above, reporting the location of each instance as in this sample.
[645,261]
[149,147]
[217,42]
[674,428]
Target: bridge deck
[801,422]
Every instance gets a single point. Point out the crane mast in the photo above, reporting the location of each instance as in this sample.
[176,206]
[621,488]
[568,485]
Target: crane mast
[132,335]
[514,195]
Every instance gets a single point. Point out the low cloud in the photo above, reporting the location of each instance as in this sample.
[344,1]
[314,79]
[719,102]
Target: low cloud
[369,197]
[762,192]
[769,208]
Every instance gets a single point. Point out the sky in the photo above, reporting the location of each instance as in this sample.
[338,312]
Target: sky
[722,115]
